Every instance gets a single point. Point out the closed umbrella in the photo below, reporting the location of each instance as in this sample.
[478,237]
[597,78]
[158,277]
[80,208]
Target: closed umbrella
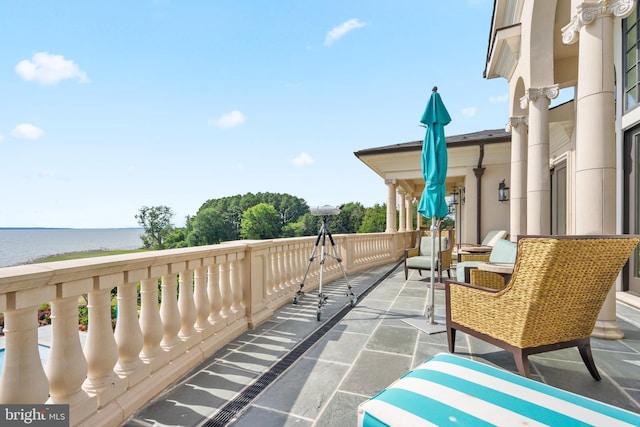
[434,170]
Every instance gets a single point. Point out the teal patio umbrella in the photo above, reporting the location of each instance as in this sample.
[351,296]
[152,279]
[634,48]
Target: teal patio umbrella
[434,158]
[434,170]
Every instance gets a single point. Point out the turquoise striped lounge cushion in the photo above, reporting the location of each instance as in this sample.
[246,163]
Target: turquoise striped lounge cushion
[452,390]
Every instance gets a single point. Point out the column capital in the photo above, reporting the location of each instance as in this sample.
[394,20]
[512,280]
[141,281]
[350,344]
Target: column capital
[516,121]
[535,93]
[589,11]
[402,192]
[390,181]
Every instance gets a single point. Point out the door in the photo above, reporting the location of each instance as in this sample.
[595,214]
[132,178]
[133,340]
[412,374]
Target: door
[631,205]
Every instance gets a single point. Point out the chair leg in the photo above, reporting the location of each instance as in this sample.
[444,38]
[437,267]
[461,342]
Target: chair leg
[522,363]
[406,272]
[587,358]
[451,339]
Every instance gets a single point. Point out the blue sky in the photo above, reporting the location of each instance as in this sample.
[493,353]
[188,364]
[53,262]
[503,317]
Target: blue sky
[107,106]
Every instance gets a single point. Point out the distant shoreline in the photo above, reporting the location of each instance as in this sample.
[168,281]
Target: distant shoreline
[32,245]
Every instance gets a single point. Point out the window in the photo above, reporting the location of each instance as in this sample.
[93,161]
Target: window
[559,199]
[630,60]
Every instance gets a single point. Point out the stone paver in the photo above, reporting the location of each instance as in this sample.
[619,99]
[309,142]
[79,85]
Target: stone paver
[364,352]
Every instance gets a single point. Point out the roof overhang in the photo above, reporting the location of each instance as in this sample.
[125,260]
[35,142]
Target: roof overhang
[503,49]
[503,58]
[402,163]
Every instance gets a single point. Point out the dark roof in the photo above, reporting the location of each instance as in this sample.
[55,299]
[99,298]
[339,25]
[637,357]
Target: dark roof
[491,136]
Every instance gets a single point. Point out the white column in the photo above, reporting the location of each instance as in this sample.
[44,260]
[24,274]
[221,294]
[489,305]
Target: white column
[403,218]
[538,178]
[595,177]
[409,210]
[391,206]
[518,192]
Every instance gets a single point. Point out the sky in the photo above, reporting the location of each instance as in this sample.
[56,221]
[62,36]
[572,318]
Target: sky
[108,106]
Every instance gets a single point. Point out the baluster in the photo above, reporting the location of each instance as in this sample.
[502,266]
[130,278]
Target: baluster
[291,272]
[236,289]
[225,293]
[66,367]
[170,316]
[301,262]
[268,280]
[128,336]
[23,378]
[215,299]
[282,275]
[187,310]
[273,272]
[201,300]
[151,325]
[100,349]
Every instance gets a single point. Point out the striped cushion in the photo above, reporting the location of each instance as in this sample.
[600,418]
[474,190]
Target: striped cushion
[452,390]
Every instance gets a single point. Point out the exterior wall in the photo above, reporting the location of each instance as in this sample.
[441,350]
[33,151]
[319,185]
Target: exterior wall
[493,214]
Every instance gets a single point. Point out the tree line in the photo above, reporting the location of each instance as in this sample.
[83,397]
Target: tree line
[252,216]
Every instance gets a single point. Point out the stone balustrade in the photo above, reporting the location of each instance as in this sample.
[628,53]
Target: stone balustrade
[208,296]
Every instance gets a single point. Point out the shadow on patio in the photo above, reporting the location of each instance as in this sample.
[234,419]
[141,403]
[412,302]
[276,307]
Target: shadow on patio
[293,370]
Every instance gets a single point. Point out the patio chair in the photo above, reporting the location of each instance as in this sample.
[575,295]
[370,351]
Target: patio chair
[466,270]
[551,301]
[419,257]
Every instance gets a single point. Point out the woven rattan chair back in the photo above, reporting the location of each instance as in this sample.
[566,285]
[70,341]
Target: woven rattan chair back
[552,301]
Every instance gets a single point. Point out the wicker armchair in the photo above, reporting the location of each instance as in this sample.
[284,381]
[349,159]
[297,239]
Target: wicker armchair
[551,302]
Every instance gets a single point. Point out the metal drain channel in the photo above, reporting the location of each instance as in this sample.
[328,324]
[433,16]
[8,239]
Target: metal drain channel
[235,406]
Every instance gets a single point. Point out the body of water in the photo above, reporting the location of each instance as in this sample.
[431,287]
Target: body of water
[23,245]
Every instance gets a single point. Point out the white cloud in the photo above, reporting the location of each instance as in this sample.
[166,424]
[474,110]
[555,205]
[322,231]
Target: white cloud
[469,111]
[27,131]
[228,120]
[49,69]
[499,99]
[302,160]
[338,32]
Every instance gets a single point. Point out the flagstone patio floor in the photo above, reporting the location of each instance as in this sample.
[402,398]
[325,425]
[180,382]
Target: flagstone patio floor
[296,370]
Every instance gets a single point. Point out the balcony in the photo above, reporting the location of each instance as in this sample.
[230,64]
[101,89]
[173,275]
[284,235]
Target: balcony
[230,346]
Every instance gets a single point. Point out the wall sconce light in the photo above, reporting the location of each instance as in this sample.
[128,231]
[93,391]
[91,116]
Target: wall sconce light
[454,197]
[503,192]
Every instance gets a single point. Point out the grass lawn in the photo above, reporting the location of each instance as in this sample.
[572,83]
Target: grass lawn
[87,254]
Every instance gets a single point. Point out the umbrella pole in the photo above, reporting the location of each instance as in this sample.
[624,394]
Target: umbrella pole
[432,303]
[429,323]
